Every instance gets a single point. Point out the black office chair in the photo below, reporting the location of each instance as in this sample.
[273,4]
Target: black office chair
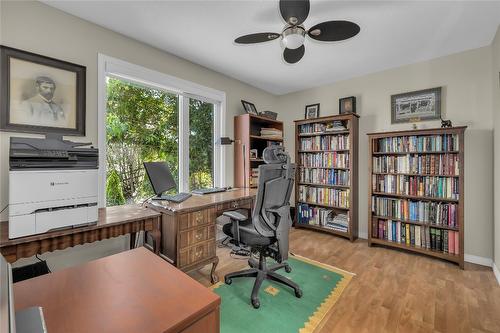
[267,230]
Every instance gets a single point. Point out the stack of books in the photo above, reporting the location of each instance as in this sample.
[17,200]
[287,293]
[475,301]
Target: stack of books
[336,125]
[269,131]
[340,222]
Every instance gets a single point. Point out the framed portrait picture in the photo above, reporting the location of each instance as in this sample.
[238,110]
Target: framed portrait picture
[41,94]
[416,106]
[347,105]
[249,107]
[312,111]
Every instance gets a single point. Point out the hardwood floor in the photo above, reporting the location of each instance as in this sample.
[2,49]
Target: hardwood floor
[394,291]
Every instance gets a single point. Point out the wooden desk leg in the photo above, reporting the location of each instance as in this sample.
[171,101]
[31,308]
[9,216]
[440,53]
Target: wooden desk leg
[133,237]
[213,277]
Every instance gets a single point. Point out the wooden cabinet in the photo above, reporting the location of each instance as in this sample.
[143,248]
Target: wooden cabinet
[188,228]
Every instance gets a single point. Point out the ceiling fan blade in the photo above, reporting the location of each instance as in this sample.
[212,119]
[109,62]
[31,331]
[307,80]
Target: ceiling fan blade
[292,56]
[294,12]
[256,38]
[332,31]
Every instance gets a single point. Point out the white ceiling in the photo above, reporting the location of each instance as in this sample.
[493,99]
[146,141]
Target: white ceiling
[392,34]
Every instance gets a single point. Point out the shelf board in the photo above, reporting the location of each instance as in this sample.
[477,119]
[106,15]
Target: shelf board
[267,138]
[265,119]
[256,160]
[450,257]
[324,185]
[426,224]
[413,174]
[323,151]
[325,229]
[308,167]
[324,133]
[416,197]
[322,205]
[415,152]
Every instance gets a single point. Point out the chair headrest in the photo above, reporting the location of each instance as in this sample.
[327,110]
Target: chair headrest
[274,155]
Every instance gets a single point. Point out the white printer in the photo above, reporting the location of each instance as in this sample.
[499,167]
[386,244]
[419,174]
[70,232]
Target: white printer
[52,185]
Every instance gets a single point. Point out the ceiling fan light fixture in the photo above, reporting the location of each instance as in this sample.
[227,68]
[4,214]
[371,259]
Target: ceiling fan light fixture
[293,37]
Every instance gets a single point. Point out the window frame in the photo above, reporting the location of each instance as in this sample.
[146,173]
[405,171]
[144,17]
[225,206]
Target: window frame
[120,69]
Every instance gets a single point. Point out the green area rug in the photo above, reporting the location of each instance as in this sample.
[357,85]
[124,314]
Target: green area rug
[280,311]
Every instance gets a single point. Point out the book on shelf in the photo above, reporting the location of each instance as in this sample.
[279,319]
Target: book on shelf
[324,196]
[418,143]
[324,176]
[325,160]
[429,212]
[327,142]
[442,164]
[272,132]
[323,217]
[429,186]
[425,237]
[323,127]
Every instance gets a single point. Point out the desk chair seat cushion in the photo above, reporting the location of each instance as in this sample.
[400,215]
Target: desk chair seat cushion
[248,235]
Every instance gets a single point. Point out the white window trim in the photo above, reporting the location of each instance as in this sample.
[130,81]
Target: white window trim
[109,66]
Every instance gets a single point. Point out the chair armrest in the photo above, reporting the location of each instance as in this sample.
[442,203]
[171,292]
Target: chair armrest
[234,215]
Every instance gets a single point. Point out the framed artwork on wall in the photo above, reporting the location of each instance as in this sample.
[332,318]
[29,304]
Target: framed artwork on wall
[312,111]
[41,94]
[347,105]
[416,106]
[249,107]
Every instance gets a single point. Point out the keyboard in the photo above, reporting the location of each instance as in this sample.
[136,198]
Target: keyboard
[209,190]
[179,197]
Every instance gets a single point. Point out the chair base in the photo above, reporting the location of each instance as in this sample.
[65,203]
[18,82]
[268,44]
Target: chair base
[261,272]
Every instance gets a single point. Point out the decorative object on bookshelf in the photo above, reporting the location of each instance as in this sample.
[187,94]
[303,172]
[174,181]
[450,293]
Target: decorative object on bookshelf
[269,114]
[416,106]
[347,105]
[416,191]
[249,107]
[312,111]
[252,134]
[445,123]
[326,190]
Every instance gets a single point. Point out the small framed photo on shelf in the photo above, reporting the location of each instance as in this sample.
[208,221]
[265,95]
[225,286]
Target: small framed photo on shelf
[416,106]
[249,107]
[254,153]
[347,105]
[312,111]
[39,94]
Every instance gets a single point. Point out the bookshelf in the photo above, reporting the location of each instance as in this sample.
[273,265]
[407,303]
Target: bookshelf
[248,136]
[326,181]
[416,191]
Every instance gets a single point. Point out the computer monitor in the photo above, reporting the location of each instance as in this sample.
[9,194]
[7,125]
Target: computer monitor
[7,314]
[160,177]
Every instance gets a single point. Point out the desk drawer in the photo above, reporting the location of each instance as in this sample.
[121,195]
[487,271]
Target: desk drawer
[196,253]
[195,219]
[198,235]
[235,204]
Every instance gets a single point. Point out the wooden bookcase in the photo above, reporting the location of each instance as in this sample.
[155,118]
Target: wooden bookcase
[322,172]
[247,136]
[430,169]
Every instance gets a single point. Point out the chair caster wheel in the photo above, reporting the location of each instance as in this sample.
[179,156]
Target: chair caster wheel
[288,269]
[298,293]
[228,281]
[256,303]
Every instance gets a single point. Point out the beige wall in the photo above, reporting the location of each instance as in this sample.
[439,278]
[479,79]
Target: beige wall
[466,82]
[496,110]
[35,27]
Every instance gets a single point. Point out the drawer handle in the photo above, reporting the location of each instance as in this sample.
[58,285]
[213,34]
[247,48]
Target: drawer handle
[198,254]
[198,236]
[235,204]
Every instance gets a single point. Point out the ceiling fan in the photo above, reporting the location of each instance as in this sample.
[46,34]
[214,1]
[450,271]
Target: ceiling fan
[295,12]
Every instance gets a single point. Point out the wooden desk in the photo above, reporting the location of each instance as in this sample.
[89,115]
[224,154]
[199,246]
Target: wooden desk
[113,222]
[188,237]
[133,291]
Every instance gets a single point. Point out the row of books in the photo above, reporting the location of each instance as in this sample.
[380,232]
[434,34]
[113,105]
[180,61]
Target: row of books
[269,131]
[325,160]
[254,177]
[328,142]
[437,213]
[324,196]
[414,143]
[446,241]
[333,126]
[312,215]
[324,176]
[429,186]
[445,164]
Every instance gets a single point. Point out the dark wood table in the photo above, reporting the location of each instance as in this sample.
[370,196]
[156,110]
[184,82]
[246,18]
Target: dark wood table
[133,291]
[113,222]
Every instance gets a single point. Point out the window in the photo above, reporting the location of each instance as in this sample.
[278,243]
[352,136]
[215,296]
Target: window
[148,116]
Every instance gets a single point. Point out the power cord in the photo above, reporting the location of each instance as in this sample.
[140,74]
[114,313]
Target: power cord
[41,260]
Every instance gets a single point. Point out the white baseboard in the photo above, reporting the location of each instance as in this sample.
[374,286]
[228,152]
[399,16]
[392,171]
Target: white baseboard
[478,260]
[496,272]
